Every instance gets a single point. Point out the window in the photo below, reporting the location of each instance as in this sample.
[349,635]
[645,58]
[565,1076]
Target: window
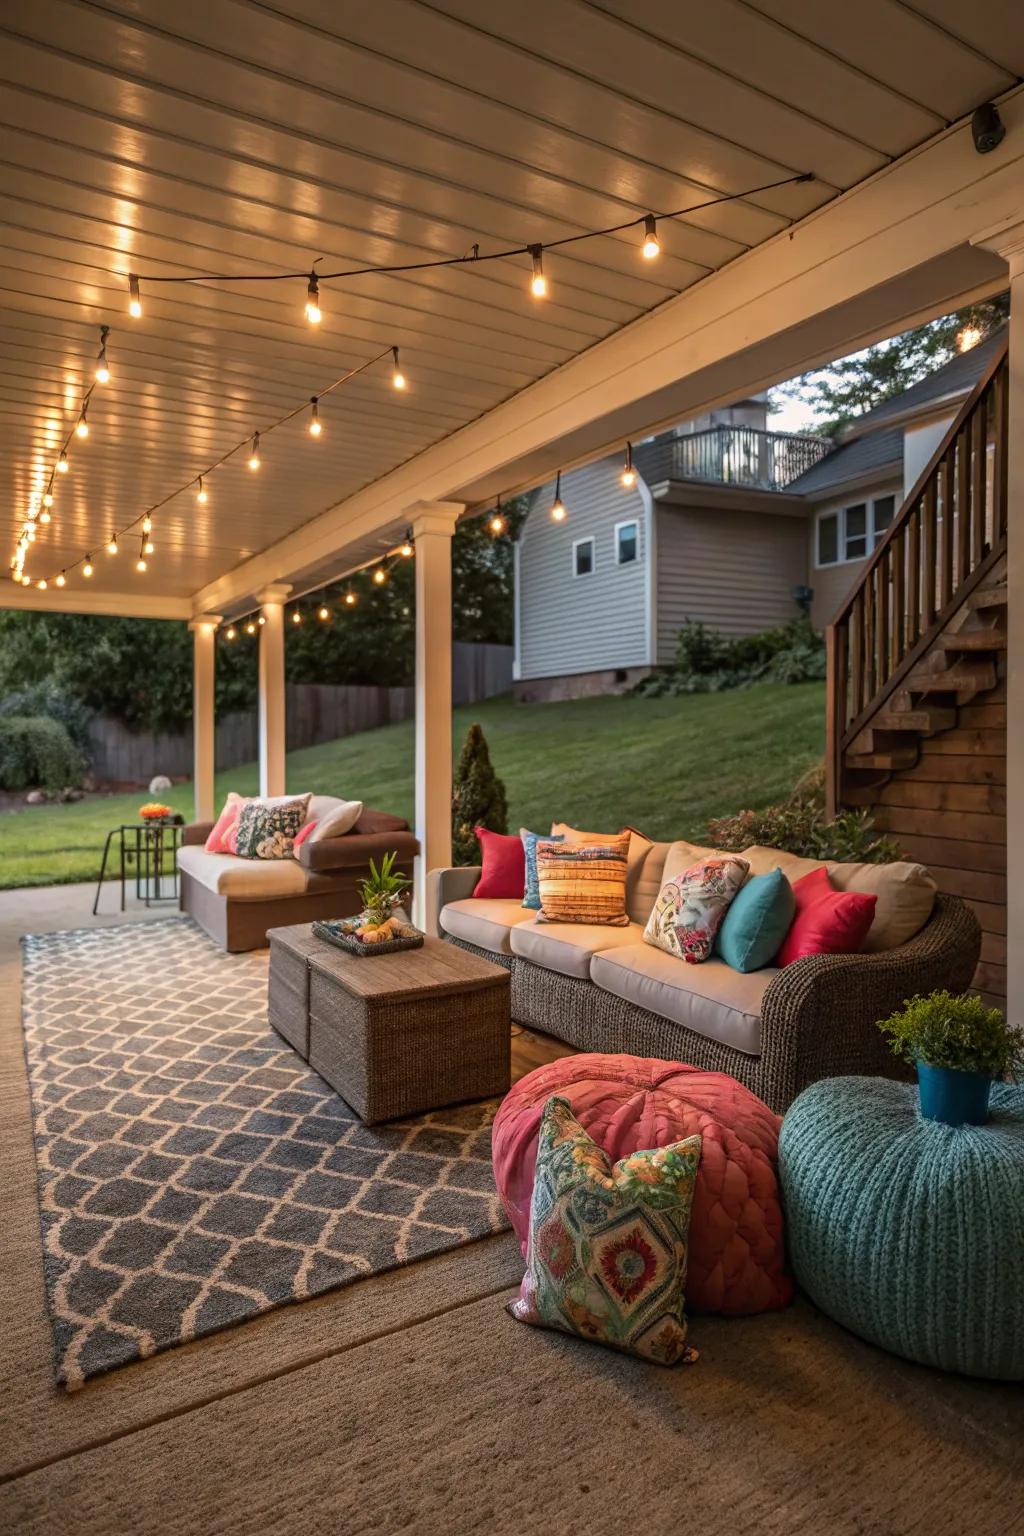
[582,557]
[627,543]
[828,539]
[851,533]
[882,513]
[855,542]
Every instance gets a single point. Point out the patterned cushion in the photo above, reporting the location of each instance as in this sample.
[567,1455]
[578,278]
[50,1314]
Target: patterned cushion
[606,1258]
[268,831]
[691,906]
[531,893]
[583,882]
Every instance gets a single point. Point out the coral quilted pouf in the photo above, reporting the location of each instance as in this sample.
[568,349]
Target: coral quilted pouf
[629,1104]
[909,1232]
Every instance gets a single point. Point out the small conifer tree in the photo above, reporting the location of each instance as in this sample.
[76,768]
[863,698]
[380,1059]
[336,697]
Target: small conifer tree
[478,798]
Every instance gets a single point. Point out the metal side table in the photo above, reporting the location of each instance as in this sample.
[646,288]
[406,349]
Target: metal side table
[146,851]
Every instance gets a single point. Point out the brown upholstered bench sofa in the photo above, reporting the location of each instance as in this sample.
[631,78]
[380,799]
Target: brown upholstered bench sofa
[237,900]
[603,989]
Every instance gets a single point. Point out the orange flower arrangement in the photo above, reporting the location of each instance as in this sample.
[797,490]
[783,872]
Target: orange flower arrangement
[154,811]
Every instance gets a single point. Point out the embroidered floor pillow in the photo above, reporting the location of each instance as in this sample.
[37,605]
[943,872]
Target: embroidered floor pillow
[690,907]
[583,882]
[737,1255]
[269,831]
[531,891]
[827,921]
[606,1258]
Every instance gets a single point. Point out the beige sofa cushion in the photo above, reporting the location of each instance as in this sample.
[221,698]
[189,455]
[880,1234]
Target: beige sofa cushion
[487,923]
[569,947]
[763,860]
[655,871]
[712,999]
[242,879]
[906,895]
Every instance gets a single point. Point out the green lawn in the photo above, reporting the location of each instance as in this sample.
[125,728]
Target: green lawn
[664,765]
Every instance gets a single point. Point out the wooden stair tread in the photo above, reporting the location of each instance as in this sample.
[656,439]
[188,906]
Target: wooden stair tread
[986,597]
[974,640]
[886,761]
[976,676]
[923,722]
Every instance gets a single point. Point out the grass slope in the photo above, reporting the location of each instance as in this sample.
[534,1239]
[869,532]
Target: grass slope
[664,765]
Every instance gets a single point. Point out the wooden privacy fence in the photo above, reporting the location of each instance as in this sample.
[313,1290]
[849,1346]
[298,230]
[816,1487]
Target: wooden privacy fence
[314,712]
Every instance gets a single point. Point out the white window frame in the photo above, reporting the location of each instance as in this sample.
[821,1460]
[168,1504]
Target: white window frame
[873,534]
[628,522]
[576,543]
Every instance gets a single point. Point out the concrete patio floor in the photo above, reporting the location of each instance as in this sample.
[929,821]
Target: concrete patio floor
[411,1402]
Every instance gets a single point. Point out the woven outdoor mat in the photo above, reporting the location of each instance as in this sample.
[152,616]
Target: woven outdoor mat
[193,1171]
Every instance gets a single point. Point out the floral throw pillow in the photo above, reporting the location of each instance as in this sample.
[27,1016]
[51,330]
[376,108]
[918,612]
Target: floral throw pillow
[606,1257]
[690,907]
[269,831]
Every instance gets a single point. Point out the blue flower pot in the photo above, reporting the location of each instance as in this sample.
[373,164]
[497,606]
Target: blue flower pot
[955,1098]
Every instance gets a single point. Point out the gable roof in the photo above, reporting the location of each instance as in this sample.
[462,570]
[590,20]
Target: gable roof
[877,450]
[957,377]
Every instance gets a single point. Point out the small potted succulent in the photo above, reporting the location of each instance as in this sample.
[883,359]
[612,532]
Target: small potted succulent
[960,1046]
[381,894]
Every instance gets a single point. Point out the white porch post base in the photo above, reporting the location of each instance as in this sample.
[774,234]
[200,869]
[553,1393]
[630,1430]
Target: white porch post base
[204,722]
[433,523]
[271,690]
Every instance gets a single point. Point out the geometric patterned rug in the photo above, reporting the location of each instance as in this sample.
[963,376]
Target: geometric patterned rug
[193,1170]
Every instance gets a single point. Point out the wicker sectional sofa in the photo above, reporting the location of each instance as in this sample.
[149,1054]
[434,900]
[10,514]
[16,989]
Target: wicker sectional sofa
[604,989]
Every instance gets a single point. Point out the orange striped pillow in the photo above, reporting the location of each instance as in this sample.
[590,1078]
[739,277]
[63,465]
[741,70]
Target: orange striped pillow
[583,882]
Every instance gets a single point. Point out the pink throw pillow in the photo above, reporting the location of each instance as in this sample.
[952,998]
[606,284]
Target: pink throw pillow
[504,866]
[215,842]
[301,836]
[827,921]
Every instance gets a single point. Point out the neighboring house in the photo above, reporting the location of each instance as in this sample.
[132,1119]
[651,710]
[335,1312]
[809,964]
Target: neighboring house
[727,522]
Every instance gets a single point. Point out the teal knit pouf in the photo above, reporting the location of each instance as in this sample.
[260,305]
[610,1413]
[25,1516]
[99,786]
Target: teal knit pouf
[908,1232]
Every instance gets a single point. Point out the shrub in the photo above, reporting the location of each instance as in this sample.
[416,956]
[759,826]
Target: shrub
[44,699]
[708,662]
[478,798]
[799,825]
[960,1032]
[37,753]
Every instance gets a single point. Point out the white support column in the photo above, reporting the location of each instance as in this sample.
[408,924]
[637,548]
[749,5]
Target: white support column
[271,689]
[1007,241]
[204,719]
[433,523]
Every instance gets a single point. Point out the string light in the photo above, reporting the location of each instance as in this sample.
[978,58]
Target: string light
[350,598]
[201,496]
[148,547]
[254,456]
[250,629]
[323,612]
[380,576]
[296,616]
[61,580]
[405,549]
[82,430]
[261,621]
[231,632]
[62,462]
[147,524]
[628,472]
[44,516]
[651,246]
[87,567]
[313,314]
[134,297]
[558,512]
[314,417]
[496,522]
[538,282]
[47,498]
[112,545]
[397,376]
[140,564]
[102,374]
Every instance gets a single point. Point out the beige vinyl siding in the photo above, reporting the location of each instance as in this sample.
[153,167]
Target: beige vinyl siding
[567,623]
[734,571]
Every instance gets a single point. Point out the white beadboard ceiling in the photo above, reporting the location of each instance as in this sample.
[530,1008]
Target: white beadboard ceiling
[242,137]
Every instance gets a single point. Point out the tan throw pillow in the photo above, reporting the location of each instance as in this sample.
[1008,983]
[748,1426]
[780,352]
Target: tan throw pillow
[692,904]
[583,882]
[639,847]
[337,822]
[906,895]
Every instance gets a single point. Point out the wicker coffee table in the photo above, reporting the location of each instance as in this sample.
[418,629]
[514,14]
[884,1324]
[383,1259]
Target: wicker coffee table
[393,1034]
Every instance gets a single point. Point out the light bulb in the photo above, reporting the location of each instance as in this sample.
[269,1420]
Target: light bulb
[26,581]
[134,297]
[323,611]
[558,512]
[250,629]
[149,548]
[628,472]
[87,567]
[397,377]
[261,621]
[30,532]
[314,417]
[254,457]
[47,498]
[405,549]
[82,429]
[538,282]
[350,599]
[44,516]
[140,564]
[380,576]
[112,546]
[62,462]
[497,523]
[651,246]
[230,632]
[147,523]
[201,496]
[102,371]
[61,580]
[313,300]
[296,616]
[41,584]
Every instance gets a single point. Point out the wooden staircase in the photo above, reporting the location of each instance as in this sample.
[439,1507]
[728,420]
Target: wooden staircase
[916,722]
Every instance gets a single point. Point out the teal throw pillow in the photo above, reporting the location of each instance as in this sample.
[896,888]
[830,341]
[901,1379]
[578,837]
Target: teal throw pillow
[757,922]
[531,889]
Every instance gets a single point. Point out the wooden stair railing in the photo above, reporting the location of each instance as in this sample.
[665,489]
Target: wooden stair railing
[945,538]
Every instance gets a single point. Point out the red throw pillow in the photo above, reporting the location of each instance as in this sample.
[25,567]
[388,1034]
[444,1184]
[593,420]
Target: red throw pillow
[827,922]
[304,832]
[504,866]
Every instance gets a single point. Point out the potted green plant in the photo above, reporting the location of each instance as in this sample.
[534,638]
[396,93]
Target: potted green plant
[381,894]
[959,1046]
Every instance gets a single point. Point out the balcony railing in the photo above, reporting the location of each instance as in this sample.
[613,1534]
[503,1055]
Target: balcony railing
[745,456]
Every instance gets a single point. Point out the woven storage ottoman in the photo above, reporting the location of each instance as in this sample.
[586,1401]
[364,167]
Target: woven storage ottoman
[288,983]
[397,1034]
[909,1232]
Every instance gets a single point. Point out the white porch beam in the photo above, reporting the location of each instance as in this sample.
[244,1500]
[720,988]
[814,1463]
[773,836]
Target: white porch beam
[1007,240]
[892,251]
[204,717]
[121,605]
[433,523]
[271,714]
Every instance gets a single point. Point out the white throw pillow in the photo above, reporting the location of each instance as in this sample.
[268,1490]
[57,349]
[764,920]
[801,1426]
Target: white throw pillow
[337,822]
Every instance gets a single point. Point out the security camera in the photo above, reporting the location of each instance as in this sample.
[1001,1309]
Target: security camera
[987,128]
